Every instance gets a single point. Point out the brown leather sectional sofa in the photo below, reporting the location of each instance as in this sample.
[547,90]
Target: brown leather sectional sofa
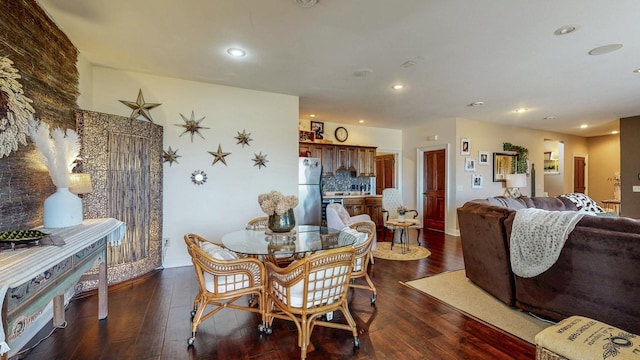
[597,274]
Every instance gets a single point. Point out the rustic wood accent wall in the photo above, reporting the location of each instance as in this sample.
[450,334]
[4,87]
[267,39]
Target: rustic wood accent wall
[124,158]
[46,59]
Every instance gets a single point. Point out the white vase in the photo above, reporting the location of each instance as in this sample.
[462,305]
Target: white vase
[400,217]
[62,209]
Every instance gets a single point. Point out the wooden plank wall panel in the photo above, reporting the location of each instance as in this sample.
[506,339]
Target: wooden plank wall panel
[46,60]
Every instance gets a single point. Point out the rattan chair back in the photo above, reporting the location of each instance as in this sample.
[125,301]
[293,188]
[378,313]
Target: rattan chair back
[362,256]
[311,287]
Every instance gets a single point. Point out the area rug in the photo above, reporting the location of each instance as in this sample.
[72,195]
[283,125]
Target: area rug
[455,289]
[414,252]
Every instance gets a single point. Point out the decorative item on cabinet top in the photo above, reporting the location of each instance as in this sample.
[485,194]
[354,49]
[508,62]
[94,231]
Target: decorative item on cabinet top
[140,107]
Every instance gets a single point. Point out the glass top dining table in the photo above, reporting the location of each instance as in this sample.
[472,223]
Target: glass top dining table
[303,239]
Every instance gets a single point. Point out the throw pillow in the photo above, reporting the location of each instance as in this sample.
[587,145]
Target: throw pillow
[583,202]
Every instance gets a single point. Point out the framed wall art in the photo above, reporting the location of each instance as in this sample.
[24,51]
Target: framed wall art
[307,136]
[483,158]
[318,128]
[476,181]
[465,146]
[469,164]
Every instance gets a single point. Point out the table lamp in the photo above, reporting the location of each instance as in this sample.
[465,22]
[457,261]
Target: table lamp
[514,183]
[80,183]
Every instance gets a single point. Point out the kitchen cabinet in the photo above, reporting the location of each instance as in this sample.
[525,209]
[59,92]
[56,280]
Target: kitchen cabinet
[374,209]
[355,206]
[346,159]
[367,161]
[328,160]
[323,152]
[359,160]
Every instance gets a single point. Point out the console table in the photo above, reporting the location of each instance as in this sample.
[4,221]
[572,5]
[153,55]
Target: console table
[30,278]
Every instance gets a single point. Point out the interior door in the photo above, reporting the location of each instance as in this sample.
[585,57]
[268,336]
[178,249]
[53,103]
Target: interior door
[434,189]
[385,172]
[579,165]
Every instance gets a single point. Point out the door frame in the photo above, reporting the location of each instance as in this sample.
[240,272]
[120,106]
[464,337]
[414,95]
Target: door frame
[586,170]
[420,181]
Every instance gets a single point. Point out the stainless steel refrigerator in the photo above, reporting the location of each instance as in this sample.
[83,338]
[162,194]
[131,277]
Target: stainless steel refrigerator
[309,191]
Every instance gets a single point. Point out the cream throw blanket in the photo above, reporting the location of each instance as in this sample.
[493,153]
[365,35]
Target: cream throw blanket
[537,237]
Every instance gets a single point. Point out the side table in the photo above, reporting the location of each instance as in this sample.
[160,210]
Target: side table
[404,234]
[612,205]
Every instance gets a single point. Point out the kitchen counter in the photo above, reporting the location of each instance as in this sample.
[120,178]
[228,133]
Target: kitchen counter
[348,195]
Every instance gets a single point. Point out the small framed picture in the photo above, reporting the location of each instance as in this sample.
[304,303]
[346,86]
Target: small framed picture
[465,146]
[476,181]
[469,164]
[318,128]
[483,158]
[307,136]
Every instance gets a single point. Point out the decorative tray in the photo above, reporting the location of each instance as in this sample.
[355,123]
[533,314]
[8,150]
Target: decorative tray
[19,236]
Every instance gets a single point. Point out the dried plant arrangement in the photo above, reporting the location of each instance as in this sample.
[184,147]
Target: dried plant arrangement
[59,150]
[15,109]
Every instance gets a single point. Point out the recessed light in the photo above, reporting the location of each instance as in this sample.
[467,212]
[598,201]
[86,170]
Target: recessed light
[397,87]
[605,49]
[408,64]
[476,103]
[637,71]
[235,52]
[584,126]
[614,132]
[521,110]
[361,121]
[550,117]
[312,115]
[565,30]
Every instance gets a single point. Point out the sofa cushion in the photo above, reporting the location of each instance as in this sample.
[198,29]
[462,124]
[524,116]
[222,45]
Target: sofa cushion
[225,283]
[583,202]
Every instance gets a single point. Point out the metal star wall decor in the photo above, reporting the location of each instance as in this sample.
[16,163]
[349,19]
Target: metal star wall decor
[219,156]
[140,107]
[171,156]
[243,138]
[260,160]
[192,125]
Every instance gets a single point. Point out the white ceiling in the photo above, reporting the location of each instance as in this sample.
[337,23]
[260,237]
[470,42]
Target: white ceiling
[502,52]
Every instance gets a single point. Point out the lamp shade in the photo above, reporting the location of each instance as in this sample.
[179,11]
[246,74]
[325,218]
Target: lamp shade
[80,183]
[516,180]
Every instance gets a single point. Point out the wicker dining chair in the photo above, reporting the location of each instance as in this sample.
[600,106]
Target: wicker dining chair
[362,255]
[259,223]
[309,288]
[223,279]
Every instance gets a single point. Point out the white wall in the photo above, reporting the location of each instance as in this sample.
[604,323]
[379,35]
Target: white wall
[228,199]
[483,136]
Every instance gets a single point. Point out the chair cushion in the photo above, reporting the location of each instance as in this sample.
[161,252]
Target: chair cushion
[225,283]
[330,294]
[360,238]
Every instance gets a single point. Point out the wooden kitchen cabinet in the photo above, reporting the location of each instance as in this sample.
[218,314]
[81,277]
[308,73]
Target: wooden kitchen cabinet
[360,160]
[323,152]
[355,206]
[367,161]
[374,209]
[347,159]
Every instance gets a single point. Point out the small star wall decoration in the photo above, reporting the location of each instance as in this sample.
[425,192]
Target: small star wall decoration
[171,156]
[140,107]
[219,155]
[192,125]
[243,138]
[260,160]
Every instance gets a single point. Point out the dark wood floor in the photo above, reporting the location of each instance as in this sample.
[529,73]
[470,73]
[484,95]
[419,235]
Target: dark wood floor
[149,319]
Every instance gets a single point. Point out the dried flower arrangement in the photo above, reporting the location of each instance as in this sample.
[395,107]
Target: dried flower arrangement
[277,203]
[15,109]
[58,149]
